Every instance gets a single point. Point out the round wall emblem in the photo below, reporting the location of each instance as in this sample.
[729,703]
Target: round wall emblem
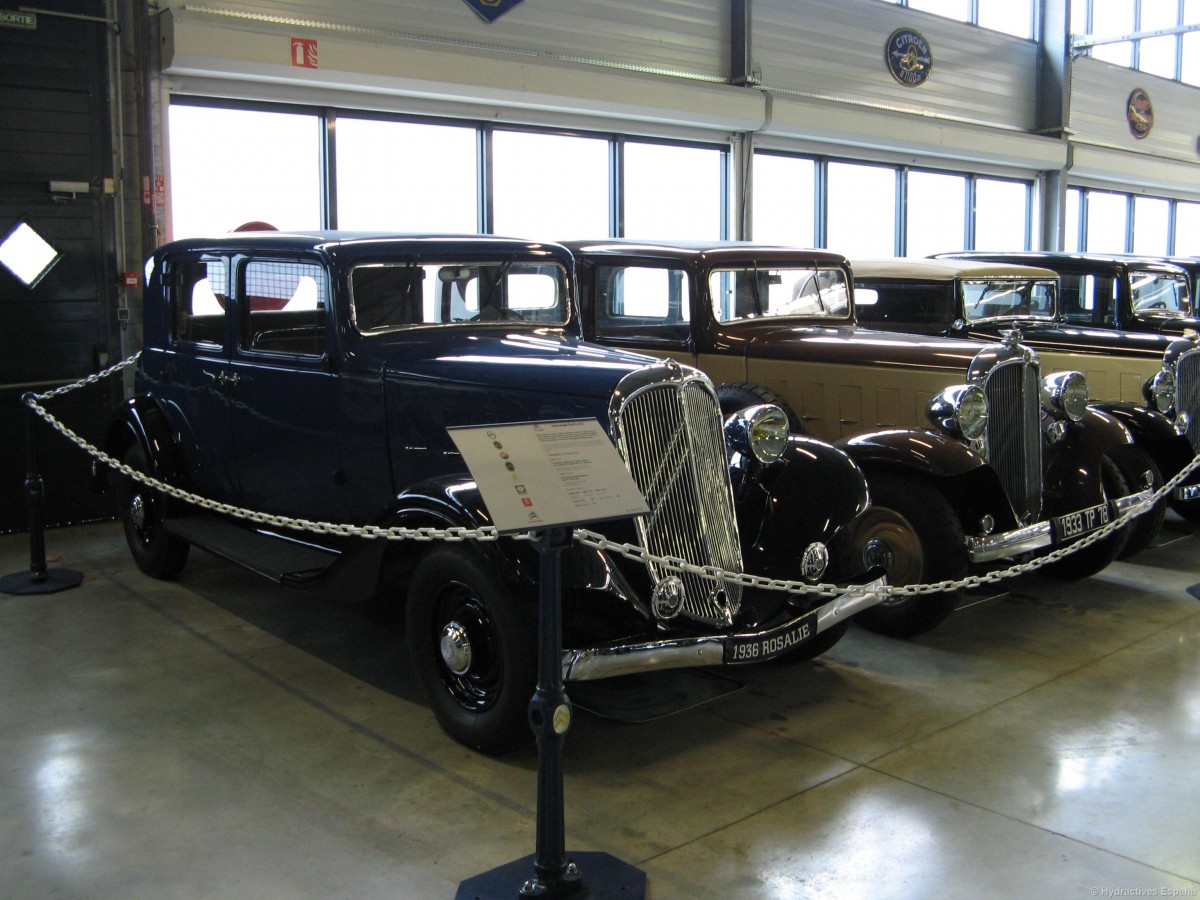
[909,57]
[1139,112]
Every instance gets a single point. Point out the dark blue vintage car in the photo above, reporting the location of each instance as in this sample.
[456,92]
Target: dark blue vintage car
[1069,308]
[314,376]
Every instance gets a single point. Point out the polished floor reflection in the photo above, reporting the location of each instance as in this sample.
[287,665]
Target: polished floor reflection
[217,737]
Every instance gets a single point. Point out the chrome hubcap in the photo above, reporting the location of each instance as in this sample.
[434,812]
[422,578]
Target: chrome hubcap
[455,647]
[137,512]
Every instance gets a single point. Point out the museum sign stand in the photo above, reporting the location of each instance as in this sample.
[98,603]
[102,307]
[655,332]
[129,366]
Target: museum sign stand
[546,478]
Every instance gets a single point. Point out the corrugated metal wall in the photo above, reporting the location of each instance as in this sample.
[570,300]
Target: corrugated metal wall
[54,126]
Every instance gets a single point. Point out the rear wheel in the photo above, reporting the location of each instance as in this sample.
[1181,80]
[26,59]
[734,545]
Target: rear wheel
[473,648]
[157,552]
[912,530]
[1096,556]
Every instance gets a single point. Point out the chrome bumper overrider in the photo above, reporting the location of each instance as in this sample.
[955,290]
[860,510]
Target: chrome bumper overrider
[1188,492]
[717,649]
[987,548]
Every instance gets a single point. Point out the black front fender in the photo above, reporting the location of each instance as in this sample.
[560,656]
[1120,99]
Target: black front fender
[808,495]
[1154,433]
[1073,470]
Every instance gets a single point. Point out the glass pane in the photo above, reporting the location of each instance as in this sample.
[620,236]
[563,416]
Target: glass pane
[1157,55]
[1071,221]
[1113,18]
[27,254]
[672,192]
[403,176]
[1187,229]
[550,186]
[750,293]
[862,210]
[784,200]
[1010,16]
[936,213]
[1106,222]
[1001,214]
[953,9]
[233,166]
[1151,217]
[1191,44]
[387,296]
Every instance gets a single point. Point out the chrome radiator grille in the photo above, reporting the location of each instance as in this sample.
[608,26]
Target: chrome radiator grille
[1187,394]
[1014,437]
[671,436]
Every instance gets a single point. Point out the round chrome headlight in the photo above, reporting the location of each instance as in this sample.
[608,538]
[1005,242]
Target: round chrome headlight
[768,432]
[1160,391]
[961,410]
[1067,393]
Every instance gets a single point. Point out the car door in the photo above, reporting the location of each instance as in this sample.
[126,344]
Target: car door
[191,375]
[283,392]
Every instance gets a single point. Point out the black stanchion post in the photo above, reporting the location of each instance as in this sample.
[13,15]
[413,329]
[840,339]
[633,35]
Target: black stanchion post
[39,579]
[554,876]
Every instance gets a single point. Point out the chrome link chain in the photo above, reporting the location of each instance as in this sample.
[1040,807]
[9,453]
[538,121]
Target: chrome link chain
[585,537]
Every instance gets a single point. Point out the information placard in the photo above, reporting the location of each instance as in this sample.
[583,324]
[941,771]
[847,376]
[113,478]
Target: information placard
[535,475]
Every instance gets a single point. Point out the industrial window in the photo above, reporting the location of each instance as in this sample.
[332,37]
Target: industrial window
[1131,33]
[549,185]
[673,191]
[406,176]
[233,166]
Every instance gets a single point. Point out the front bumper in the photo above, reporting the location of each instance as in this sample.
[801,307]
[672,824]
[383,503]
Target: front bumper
[990,547]
[718,649]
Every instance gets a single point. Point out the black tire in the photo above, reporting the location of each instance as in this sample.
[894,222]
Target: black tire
[481,699]
[1134,463]
[1093,558]
[735,395]
[157,552]
[924,542]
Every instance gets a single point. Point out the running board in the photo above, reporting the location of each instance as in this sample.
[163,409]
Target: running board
[274,556]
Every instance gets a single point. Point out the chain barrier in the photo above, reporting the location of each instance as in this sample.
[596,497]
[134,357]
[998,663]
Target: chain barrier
[585,537]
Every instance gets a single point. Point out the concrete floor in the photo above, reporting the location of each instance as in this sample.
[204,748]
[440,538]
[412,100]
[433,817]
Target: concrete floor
[218,737]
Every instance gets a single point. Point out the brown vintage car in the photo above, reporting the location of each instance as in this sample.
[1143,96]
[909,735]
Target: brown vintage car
[966,463]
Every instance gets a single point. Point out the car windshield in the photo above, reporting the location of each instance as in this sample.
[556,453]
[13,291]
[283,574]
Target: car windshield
[756,291]
[1159,294]
[389,295]
[1009,298]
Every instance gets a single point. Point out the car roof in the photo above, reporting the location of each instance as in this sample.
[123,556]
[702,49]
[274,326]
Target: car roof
[1051,259]
[944,269]
[364,243]
[716,252]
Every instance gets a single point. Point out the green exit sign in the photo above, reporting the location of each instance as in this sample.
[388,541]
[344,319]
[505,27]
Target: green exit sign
[10,19]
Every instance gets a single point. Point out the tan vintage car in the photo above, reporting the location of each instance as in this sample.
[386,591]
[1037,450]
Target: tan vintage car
[1148,381]
[966,463]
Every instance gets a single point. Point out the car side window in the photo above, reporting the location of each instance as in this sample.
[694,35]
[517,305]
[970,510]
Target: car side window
[284,307]
[199,298]
[645,302]
[905,303]
[1088,299]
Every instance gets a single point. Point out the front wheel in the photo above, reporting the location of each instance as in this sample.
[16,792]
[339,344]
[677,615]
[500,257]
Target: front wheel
[156,551]
[1136,467]
[473,648]
[912,530]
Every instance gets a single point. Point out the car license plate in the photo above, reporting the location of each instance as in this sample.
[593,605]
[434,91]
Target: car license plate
[1075,524]
[769,646]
